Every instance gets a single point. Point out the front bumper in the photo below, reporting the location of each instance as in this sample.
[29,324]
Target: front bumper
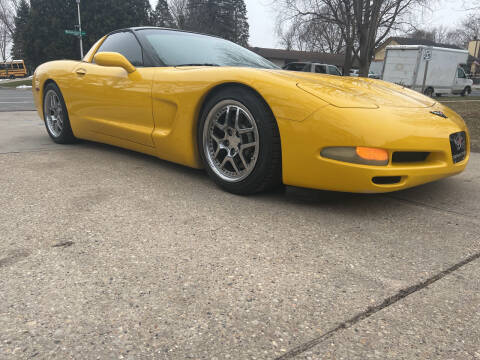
[409,130]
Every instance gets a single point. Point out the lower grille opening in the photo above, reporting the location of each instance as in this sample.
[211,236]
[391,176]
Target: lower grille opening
[386,180]
[409,156]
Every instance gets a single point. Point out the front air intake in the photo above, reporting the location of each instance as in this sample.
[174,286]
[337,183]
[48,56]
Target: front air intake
[386,180]
[409,156]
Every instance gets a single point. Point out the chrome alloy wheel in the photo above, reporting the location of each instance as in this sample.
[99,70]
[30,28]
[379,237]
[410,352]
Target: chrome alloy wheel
[53,113]
[231,141]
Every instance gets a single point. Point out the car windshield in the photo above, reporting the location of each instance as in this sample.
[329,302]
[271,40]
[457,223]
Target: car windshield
[176,48]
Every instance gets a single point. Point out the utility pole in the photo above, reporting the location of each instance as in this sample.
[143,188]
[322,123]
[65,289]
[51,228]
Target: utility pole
[80,29]
[475,54]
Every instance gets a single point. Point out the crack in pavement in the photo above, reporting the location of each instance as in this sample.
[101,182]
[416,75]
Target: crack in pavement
[35,151]
[402,294]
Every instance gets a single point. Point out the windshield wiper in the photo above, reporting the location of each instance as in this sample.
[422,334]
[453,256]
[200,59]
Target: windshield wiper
[204,64]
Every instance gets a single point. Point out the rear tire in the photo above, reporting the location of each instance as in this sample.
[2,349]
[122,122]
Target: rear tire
[55,115]
[12,77]
[239,142]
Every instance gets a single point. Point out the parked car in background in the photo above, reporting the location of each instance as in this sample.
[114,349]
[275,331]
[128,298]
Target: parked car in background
[406,65]
[356,73]
[313,67]
[13,69]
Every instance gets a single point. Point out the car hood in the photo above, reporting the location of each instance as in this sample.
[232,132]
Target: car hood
[354,92]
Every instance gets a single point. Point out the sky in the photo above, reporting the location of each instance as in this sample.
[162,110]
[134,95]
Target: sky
[261,15]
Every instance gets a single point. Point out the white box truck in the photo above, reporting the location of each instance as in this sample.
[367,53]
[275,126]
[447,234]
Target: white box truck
[406,65]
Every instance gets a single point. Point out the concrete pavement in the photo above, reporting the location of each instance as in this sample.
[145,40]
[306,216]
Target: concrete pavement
[105,253]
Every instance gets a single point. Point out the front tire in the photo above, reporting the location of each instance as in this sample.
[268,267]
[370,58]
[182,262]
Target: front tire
[239,142]
[466,91]
[56,116]
[429,92]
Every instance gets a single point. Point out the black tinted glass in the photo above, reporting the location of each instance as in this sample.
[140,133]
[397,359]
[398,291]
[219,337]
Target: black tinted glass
[333,70]
[126,44]
[176,48]
[320,69]
[298,67]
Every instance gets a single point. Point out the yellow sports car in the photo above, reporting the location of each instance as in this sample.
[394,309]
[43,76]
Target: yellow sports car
[207,103]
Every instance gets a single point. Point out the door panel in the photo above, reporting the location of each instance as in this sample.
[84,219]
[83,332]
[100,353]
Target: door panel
[460,81]
[110,101]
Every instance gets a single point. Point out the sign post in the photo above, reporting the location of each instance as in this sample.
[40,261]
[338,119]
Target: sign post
[80,29]
[75,32]
[427,57]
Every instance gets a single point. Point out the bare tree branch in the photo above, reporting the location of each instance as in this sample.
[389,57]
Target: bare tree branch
[362,24]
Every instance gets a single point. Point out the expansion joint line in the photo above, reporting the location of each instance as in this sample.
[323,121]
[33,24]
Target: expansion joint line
[402,294]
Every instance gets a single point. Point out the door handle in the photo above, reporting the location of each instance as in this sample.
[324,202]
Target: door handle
[81,72]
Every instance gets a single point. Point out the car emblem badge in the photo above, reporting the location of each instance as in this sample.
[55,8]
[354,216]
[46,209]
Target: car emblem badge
[439,113]
[459,142]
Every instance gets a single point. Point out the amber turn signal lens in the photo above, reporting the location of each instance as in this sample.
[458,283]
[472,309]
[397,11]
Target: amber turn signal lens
[372,153]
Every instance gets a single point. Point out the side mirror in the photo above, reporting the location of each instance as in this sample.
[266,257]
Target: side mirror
[114,59]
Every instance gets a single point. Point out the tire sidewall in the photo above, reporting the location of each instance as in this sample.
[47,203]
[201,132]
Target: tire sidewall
[66,134]
[260,114]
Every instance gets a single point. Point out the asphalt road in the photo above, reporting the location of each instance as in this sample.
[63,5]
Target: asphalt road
[16,100]
[105,253]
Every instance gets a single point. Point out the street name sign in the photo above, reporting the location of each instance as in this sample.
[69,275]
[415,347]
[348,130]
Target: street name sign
[75,32]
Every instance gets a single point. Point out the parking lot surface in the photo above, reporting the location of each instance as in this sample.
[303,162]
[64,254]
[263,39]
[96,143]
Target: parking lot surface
[106,253]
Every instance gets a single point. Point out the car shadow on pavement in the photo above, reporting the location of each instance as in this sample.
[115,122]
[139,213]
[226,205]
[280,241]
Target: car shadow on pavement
[340,201]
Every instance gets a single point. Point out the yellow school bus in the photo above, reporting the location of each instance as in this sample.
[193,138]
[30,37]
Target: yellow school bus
[13,69]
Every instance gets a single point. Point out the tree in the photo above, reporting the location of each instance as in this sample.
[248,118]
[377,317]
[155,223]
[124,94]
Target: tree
[363,24]
[239,20]
[441,35]
[223,18]
[21,30]
[102,17]
[162,16]
[8,9]
[44,39]
[466,31]
[7,26]
[312,35]
[4,42]
[178,9]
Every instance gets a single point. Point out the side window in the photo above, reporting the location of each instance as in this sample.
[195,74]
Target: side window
[320,69]
[332,70]
[460,73]
[126,44]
